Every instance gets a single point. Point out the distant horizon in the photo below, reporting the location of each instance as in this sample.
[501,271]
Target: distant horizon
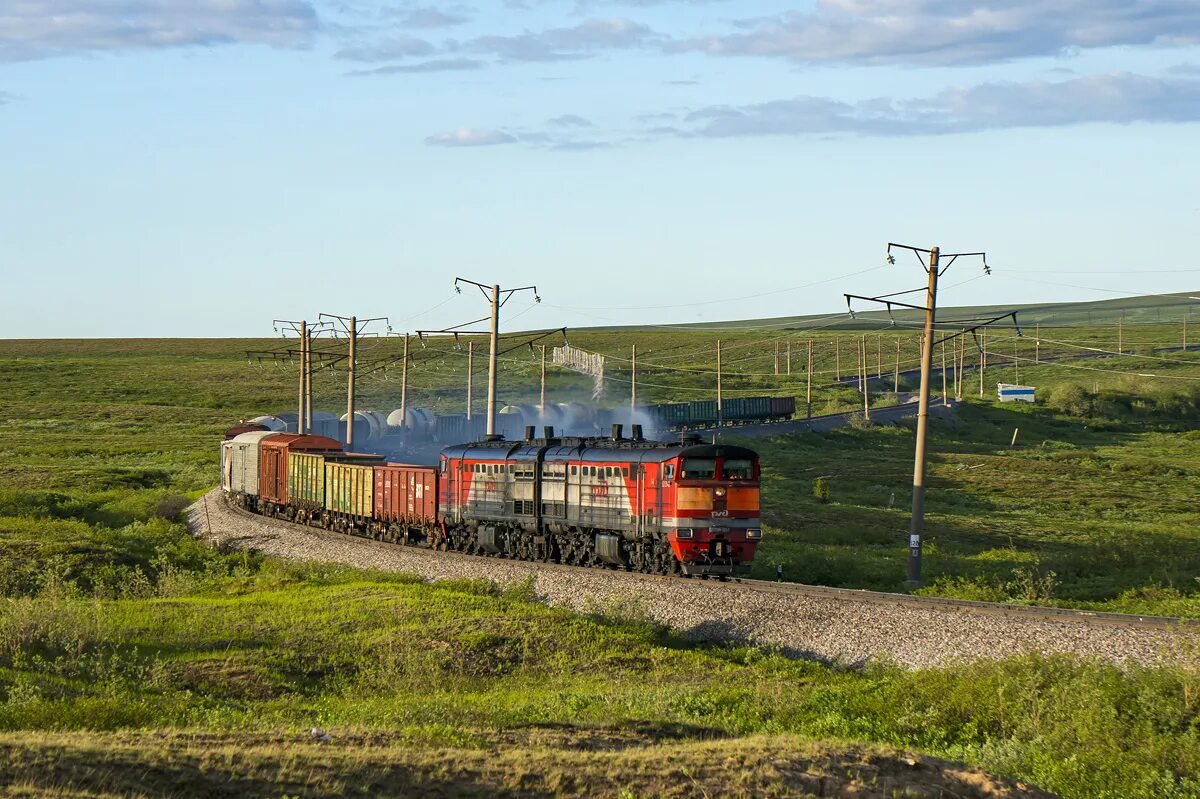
[1112,305]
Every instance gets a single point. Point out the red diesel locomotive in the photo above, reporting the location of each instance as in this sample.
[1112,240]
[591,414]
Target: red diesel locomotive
[651,506]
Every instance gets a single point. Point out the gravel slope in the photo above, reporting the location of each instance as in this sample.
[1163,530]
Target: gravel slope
[832,629]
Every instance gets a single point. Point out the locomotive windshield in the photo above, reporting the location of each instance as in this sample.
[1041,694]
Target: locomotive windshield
[738,469]
[699,469]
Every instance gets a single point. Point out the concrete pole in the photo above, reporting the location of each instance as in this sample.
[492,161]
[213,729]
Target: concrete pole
[896,390]
[960,361]
[542,401]
[470,375]
[808,393]
[303,369]
[789,357]
[945,388]
[1016,361]
[866,385]
[404,385]
[353,330]
[633,386]
[777,359]
[982,359]
[720,409]
[859,367]
[308,375]
[495,346]
[917,526]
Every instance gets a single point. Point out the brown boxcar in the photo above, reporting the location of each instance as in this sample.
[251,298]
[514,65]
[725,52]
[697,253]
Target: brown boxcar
[273,461]
[406,494]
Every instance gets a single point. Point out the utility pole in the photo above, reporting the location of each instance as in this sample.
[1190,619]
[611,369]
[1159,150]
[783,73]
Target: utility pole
[859,366]
[789,357]
[896,390]
[308,377]
[542,404]
[350,384]
[777,359]
[404,385]
[493,354]
[982,362]
[306,332]
[352,326]
[808,391]
[353,336]
[493,294]
[720,408]
[470,375]
[300,426]
[933,272]
[917,526]
[837,358]
[867,385]
[945,390]
[1016,361]
[633,386]
[1037,340]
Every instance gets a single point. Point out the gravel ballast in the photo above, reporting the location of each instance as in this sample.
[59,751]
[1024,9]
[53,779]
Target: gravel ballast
[837,629]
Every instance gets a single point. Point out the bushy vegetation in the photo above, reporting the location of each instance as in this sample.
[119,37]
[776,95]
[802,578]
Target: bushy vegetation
[289,647]
[112,617]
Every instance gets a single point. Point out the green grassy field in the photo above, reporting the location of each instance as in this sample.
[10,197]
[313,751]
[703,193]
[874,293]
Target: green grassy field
[115,620]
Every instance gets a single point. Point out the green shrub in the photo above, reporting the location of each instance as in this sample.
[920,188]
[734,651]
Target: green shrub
[821,489]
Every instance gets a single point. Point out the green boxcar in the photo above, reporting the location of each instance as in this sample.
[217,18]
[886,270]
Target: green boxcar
[306,480]
[349,489]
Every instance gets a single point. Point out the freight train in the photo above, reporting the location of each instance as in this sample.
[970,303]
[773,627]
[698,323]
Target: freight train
[627,503]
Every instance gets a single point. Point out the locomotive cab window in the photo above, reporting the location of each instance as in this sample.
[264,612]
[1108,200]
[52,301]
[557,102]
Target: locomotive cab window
[738,469]
[698,469]
[669,472]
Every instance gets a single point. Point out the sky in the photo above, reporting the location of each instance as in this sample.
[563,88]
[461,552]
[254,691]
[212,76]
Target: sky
[201,167]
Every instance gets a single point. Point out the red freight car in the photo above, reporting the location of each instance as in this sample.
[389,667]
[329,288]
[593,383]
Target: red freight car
[273,469]
[406,502]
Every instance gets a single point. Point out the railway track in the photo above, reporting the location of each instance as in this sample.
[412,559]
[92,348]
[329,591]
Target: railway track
[1063,624]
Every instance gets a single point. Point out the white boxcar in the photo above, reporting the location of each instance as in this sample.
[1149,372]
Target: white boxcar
[239,462]
[1007,392]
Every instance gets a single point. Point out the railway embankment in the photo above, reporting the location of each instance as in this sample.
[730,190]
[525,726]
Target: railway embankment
[841,627]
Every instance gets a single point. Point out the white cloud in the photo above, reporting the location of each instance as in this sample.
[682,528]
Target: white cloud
[1118,97]
[561,44]
[31,29]
[433,65]
[948,32]
[470,137]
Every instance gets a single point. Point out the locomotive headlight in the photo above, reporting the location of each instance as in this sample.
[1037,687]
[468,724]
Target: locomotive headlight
[753,533]
[719,491]
[684,532]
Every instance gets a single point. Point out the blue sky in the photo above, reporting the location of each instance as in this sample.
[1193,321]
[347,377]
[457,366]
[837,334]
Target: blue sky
[198,168]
